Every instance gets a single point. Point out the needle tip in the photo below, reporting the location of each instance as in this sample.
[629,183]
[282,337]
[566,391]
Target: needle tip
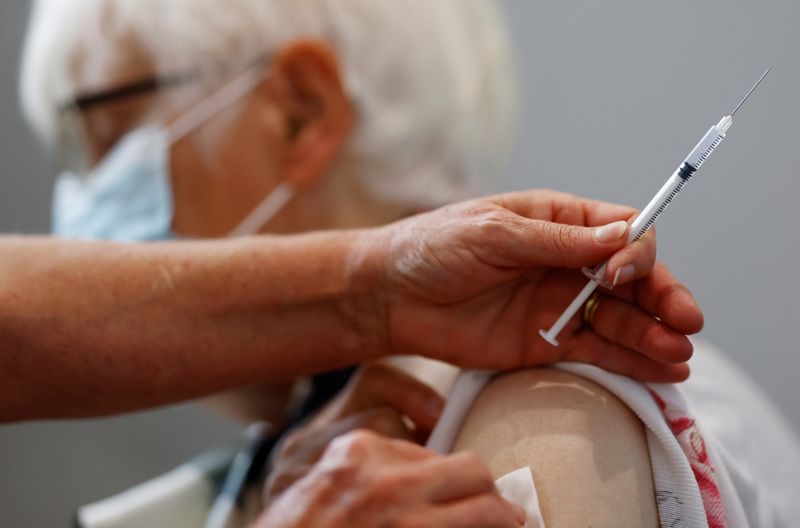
[753,89]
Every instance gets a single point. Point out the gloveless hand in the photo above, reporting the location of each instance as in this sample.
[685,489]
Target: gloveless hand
[473,283]
[364,479]
[379,398]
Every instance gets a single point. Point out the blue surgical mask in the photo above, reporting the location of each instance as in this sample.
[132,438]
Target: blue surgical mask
[127,197]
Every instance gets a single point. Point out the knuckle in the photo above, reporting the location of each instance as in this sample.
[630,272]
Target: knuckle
[474,208]
[339,475]
[477,468]
[469,212]
[494,232]
[566,238]
[493,223]
[556,239]
[354,444]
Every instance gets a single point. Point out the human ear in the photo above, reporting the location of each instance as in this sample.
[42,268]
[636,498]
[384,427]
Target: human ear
[319,114]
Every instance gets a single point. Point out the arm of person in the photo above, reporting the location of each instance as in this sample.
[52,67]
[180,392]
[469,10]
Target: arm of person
[89,329]
[586,449]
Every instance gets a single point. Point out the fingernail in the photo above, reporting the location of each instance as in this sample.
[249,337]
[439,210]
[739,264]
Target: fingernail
[611,232]
[623,274]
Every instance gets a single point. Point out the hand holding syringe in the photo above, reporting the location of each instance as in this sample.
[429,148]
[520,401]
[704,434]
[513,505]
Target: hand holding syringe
[652,211]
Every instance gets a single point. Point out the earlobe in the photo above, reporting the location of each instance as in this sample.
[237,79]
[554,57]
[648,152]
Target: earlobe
[319,115]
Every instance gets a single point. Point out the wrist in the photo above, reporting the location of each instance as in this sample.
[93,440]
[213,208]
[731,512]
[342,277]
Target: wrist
[366,302]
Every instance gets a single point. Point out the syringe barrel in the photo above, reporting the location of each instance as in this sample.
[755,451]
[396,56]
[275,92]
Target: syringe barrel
[658,204]
[701,152]
[709,143]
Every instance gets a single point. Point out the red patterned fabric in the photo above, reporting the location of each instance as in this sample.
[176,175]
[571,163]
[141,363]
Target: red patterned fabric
[684,427]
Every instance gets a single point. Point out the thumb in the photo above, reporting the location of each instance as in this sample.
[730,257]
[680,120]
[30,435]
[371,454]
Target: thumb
[569,246]
[381,384]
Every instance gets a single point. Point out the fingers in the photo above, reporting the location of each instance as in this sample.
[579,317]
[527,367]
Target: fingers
[661,295]
[588,347]
[463,489]
[464,481]
[382,385]
[384,421]
[626,325]
[454,477]
[624,337]
[359,445]
[565,212]
[531,243]
[563,208]
[632,262]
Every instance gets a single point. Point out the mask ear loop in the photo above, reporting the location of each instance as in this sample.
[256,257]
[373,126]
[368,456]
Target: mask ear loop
[214,104]
[208,108]
[265,211]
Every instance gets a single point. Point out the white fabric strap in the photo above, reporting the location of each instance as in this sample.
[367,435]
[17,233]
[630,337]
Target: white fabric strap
[466,388]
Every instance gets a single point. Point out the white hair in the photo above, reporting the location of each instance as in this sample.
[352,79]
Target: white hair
[432,80]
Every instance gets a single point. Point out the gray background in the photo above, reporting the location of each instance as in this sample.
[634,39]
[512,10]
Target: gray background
[615,93]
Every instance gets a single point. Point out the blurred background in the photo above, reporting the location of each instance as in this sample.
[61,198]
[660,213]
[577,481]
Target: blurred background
[614,94]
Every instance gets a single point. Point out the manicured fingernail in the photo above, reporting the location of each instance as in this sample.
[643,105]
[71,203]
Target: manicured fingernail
[623,274]
[611,232]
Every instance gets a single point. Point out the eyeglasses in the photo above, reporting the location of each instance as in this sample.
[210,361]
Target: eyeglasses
[73,144]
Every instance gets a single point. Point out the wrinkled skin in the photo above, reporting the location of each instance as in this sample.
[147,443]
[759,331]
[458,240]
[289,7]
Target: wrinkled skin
[473,283]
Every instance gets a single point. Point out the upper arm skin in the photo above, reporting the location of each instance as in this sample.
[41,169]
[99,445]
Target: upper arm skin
[586,449]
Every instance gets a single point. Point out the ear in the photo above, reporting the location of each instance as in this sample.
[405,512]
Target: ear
[319,115]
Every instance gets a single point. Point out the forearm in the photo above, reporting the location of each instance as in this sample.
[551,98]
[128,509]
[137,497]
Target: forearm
[89,329]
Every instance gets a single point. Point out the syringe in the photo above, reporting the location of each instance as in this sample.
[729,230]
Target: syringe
[652,211]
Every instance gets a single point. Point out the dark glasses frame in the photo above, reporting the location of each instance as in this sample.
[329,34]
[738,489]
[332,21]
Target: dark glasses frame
[85,102]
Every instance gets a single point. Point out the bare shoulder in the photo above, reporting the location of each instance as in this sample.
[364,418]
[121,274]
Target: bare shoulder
[586,449]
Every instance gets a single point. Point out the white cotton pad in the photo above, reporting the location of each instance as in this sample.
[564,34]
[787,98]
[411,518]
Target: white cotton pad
[518,487]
